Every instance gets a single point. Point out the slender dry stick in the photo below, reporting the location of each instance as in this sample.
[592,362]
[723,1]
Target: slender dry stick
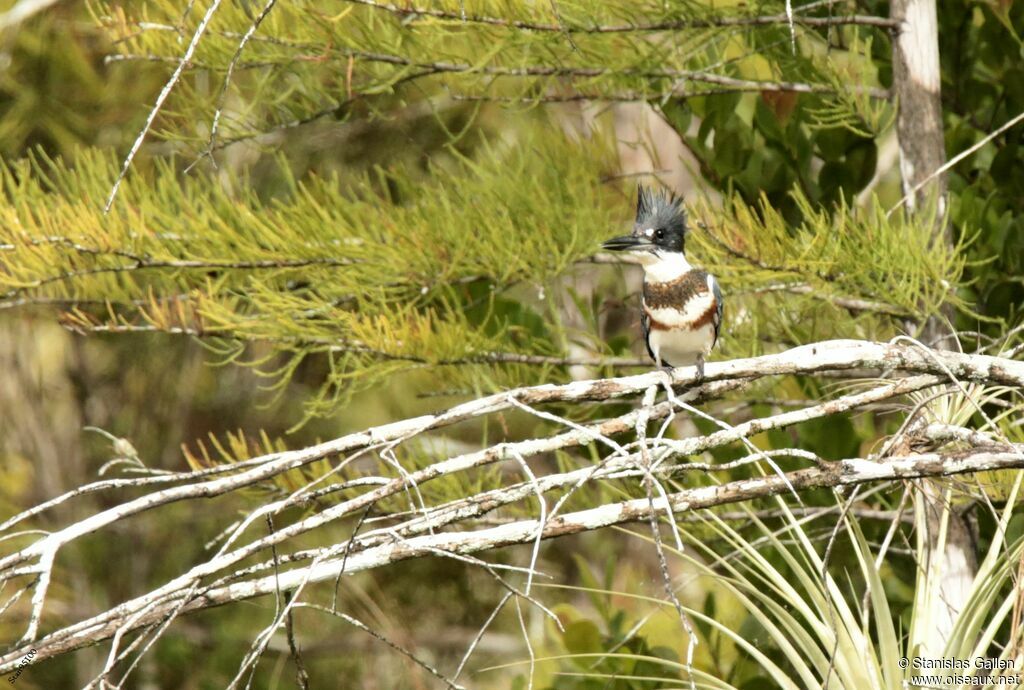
[235,530]
[164,93]
[848,472]
[723,425]
[812,358]
[222,97]
[646,464]
[491,569]
[263,639]
[398,648]
[542,521]
[1009,124]
[684,447]
[829,606]
[348,550]
[958,383]
[480,635]
[301,675]
[529,646]
[669,25]
[222,559]
[582,71]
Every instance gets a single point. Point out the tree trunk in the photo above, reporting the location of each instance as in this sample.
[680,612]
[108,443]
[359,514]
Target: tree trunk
[948,555]
[917,86]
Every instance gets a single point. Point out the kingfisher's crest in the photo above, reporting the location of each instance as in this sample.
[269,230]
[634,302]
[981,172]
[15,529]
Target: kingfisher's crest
[657,209]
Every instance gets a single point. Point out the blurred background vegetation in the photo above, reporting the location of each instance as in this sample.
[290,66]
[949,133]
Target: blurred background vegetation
[473,203]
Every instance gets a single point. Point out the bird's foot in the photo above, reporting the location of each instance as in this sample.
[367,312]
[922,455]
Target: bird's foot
[667,370]
[700,369]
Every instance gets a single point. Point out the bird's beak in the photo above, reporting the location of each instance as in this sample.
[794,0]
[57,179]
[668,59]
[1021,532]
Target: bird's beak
[628,243]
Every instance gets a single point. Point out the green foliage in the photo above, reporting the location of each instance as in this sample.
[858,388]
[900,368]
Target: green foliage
[821,146]
[980,48]
[56,93]
[859,253]
[376,226]
[385,259]
[378,286]
[392,273]
[310,58]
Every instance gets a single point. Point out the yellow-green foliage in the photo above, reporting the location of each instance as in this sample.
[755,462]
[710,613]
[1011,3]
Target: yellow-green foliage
[310,58]
[448,274]
[381,286]
[55,91]
[855,253]
[453,255]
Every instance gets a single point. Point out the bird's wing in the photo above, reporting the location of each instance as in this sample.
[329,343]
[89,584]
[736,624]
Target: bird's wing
[645,326]
[719,305]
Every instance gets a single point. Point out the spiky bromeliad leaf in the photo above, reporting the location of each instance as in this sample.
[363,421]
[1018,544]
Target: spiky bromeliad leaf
[798,624]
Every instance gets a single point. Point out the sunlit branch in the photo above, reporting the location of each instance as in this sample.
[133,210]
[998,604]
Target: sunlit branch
[638,27]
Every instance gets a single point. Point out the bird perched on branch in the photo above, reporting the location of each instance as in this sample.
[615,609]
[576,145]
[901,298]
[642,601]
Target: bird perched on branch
[681,309]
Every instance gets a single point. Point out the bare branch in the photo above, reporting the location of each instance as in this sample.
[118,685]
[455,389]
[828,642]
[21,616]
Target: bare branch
[164,93]
[22,10]
[850,472]
[835,355]
[398,648]
[671,25]
[679,76]
[1009,124]
[140,263]
[222,97]
[417,533]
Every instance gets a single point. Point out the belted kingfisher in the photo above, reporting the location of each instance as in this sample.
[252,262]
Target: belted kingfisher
[681,305]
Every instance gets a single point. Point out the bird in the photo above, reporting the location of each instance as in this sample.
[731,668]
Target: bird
[681,306]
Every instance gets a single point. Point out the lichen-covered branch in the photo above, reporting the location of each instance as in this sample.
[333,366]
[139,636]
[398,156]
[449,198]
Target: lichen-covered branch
[452,527]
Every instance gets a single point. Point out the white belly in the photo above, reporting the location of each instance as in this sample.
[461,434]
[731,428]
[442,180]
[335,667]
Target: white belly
[680,348]
[694,308]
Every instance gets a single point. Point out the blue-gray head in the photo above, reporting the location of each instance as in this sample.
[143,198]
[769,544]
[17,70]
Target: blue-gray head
[660,224]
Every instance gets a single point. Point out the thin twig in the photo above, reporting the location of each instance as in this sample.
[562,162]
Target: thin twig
[164,93]
[669,25]
[649,482]
[1009,124]
[398,648]
[849,472]
[222,97]
[480,635]
[440,67]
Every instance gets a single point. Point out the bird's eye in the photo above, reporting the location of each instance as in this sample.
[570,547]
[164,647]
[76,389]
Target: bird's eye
[659,234]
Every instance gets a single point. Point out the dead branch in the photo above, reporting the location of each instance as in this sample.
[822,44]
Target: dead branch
[849,472]
[670,25]
[452,528]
